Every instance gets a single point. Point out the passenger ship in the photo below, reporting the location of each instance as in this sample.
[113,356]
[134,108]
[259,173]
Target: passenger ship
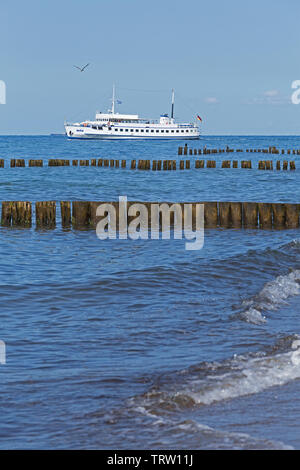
[113,125]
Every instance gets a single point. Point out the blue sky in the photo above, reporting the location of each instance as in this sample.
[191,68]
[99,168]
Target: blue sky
[232,62]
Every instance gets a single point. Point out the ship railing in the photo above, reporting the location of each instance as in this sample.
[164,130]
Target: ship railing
[77,124]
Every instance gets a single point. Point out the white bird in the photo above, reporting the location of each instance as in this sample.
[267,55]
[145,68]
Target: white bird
[81,68]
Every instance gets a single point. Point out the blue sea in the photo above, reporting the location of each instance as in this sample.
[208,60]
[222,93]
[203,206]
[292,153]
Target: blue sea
[141,344]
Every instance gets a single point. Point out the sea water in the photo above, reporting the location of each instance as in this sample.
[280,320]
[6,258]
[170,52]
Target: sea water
[119,344]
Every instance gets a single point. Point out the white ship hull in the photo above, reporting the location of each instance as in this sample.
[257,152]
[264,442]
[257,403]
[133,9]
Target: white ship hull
[75,132]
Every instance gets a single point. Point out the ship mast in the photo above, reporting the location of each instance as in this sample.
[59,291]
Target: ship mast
[113,100]
[172,109]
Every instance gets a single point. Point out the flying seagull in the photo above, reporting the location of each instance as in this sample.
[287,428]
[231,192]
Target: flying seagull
[81,68]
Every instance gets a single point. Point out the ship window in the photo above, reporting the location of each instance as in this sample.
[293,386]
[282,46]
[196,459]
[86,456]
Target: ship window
[182,130]
[167,131]
[131,130]
[136,130]
[162,130]
[177,130]
[94,127]
[172,132]
[142,130]
[109,128]
[121,130]
[100,128]
[152,130]
[116,130]
[157,130]
[186,130]
[147,130]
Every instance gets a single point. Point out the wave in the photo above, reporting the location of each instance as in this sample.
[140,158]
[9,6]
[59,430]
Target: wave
[213,382]
[224,440]
[273,295]
[169,408]
[201,436]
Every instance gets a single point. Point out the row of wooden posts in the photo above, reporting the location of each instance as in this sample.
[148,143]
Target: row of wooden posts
[186,164]
[205,151]
[82,214]
[20,162]
[157,164]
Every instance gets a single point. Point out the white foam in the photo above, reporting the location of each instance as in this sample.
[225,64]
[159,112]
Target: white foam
[252,315]
[244,375]
[254,376]
[283,287]
[271,297]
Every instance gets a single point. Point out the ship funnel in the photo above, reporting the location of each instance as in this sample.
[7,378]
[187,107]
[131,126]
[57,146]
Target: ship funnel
[172,109]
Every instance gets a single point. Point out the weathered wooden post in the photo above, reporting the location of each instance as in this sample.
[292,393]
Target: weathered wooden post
[279,215]
[224,214]
[21,213]
[16,213]
[65,211]
[6,214]
[268,165]
[250,214]
[292,215]
[265,215]
[211,219]
[45,214]
[81,214]
[236,214]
